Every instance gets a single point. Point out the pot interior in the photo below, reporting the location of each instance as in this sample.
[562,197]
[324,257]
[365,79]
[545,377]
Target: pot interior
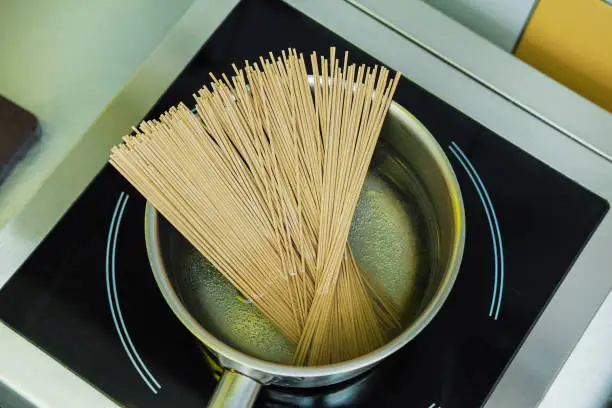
[404,233]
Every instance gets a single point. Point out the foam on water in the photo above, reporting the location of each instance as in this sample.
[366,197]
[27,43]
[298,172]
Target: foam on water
[220,309]
[384,240]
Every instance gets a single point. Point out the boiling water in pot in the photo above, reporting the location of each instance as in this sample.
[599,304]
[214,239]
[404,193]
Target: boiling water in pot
[393,237]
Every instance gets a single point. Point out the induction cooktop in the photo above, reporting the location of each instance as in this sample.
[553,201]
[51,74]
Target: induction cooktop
[88,298]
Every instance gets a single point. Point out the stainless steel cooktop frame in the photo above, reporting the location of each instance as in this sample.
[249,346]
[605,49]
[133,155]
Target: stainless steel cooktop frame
[528,109]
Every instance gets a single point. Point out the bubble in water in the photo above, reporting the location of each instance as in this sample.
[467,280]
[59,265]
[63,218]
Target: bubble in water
[222,310]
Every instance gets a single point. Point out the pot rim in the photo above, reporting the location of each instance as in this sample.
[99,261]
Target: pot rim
[411,331]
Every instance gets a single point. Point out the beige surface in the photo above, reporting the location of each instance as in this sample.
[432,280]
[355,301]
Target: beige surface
[64,60]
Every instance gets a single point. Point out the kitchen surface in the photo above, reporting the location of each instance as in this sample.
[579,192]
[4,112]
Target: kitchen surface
[526,323]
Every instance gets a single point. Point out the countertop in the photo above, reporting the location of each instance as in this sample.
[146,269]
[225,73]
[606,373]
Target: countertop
[64,62]
[67,62]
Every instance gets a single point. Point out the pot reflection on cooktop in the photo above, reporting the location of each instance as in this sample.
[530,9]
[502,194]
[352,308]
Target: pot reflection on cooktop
[349,393]
[88,298]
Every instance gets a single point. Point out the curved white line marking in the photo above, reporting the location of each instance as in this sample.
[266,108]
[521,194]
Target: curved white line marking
[498,251]
[497,230]
[113,281]
[432,405]
[490,220]
[113,302]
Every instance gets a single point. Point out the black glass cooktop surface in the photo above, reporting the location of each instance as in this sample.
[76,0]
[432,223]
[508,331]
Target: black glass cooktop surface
[88,298]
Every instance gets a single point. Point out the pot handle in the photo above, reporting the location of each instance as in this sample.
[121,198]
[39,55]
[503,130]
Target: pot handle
[235,390]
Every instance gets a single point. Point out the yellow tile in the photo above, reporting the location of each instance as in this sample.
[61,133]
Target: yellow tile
[571,41]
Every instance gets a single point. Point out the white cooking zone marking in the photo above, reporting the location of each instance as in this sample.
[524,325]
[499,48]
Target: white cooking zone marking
[113,299]
[498,250]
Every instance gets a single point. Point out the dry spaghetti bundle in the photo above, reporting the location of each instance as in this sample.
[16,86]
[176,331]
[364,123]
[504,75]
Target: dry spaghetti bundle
[264,179]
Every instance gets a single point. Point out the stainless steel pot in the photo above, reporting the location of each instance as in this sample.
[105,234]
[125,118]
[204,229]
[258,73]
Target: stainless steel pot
[418,182]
